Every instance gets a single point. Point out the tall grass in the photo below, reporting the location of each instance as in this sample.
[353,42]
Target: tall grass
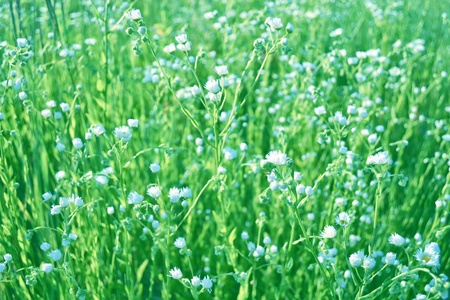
[352,80]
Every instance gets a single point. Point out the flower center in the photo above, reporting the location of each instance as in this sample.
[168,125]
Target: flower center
[426,258]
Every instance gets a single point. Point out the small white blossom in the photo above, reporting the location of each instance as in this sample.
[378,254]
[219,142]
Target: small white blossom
[343,219]
[221,70]
[180,243]
[55,255]
[123,133]
[155,167]
[396,239]
[174,195]
[134,15]
[207,283]
[175,273]
[154,192]
[277,158]
[329,232]
[135,198]
[45,246]
[47,268]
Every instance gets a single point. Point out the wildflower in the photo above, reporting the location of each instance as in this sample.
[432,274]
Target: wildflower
[186,192]
[2,267]
[362,112]
[154,192]
[229,153]
[221,170]
[22,43]
[396,239]
[60,146]
[430,256]
[329,232]
[175,273]
[309,191]
[63,201]
[45,246]
[180,243]
[381,158]
[98,129]
[297,176]
[195,90]
[56,209]
[47,268]
[155,167]
[244,235]
[274,23]
[123,133]
[155,224]
[368,262]
[351,110]
[390,258]
[300,189]
[135,198]
[110,210]
[133,123]
[289,28]
[184,47]
[181,39]
[101,179]
[50,104]
[195,281]
[320,110]
[90,41]
[395,71]
[55,255]
[75,199]
[212,86]
[207,283]
[77,143]
[46,113]
[259,251]
[277,158]
[372,138]
[174,195]
[352,60]
[336,32]
[343,219]
[7,257]
[47,196]
[134,15]
[356,259]
[170,48]
[221,70]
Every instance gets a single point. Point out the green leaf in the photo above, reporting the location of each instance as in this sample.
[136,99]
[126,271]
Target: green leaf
[232,236]
[289,265]
[140,271]
[100,85]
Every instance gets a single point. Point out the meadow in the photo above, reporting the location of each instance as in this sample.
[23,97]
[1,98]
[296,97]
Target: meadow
[194,149]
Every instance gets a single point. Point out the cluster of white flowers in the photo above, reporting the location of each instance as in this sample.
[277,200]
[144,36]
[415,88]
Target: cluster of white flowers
[380,158]
[63,202]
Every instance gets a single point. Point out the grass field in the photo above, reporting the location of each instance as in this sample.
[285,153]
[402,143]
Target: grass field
[199,149]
